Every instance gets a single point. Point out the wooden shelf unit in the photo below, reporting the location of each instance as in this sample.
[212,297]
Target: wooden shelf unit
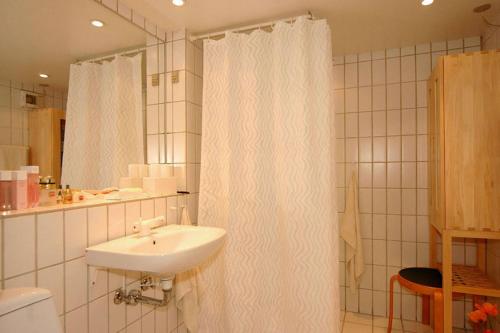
[464,167]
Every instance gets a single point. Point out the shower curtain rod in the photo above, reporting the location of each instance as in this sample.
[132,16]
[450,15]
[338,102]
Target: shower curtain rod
[248,28]
[127,52]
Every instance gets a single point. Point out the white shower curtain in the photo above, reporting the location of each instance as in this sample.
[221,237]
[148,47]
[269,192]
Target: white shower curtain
[104,127]
[267,178]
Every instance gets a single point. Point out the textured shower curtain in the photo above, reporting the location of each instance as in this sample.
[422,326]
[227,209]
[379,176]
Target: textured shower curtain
[104,127]
[267,177]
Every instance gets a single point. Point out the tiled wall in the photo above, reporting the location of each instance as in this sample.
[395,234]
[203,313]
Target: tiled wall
[381,117]
[47,250]
[13,118]
[173,117]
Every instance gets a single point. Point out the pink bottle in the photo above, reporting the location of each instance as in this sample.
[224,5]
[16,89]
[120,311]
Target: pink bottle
[33,185]
[20,189]
[5,190]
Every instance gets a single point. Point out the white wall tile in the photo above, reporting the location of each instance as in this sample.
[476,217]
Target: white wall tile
[19,245]
[379,123]
[21,281]
[98,315]
[365,99]
[378,72]
[365,73]
[393,96]
[75,283]
[408,68]
[50,239]
[116,221]
[75,233]
[76,321]
[97,225]
[351,75]
[351,100]
[365,149]
[393,70]
[132,215]
[52,278]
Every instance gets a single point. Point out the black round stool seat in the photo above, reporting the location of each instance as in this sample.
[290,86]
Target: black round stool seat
[429,277]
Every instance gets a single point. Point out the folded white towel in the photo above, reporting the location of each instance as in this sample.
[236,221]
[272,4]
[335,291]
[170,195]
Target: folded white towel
[188,289]
[350,231]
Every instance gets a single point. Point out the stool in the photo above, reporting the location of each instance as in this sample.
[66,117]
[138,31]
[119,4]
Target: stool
[425,281]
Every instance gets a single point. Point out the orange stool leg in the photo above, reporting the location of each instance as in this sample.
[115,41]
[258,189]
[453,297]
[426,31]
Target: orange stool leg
[438,312]
[391,303]
[426,309]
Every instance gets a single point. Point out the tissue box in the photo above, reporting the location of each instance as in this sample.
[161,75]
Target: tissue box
[128,182]
[159,186]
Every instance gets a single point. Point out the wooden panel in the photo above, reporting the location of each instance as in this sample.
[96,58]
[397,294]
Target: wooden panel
[435,120]
[45,141]
[472,136]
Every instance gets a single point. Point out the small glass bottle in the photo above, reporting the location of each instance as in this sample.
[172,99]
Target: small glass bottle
[19,189]
[60,197]
[33,184]
[5,190]
[67,196]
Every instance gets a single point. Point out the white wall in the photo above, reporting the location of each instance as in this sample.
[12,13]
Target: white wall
[381,118]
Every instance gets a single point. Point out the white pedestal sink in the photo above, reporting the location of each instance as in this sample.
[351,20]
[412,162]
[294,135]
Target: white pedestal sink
[166,251]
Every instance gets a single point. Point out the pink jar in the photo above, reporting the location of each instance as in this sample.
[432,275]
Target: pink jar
[5,190]
[33,186]
[19,189]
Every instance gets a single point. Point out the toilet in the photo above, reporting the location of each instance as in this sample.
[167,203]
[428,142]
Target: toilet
[28,310]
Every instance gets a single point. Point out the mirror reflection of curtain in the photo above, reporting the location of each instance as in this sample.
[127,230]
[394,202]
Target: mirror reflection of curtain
[104,131]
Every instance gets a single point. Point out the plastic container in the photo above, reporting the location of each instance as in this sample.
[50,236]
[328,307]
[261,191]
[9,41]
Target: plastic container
[33,186]
[5,190]
[19,189]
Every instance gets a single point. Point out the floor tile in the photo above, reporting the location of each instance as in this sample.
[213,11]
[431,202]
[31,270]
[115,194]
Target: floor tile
[356,328]
[358,318]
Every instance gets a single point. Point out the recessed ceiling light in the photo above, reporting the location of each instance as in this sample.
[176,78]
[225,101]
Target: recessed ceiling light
[178,3]
[427,2]
[97,23]
[43,76]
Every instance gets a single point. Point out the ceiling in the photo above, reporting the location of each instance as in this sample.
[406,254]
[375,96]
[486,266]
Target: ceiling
[46,36]
[357,25]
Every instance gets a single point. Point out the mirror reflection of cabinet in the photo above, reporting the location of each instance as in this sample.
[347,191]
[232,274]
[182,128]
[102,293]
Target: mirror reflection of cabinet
[46,135]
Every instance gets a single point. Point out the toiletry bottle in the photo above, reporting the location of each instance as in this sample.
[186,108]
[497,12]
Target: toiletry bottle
[68,196]
[48,192]
[5,190]
[19,189]
[33,185]
[60,197]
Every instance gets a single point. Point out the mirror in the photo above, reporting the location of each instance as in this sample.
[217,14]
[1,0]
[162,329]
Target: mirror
[35,76]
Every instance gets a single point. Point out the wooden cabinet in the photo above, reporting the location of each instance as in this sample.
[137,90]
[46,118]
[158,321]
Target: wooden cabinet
[46,135]
[464,142]
[464,167]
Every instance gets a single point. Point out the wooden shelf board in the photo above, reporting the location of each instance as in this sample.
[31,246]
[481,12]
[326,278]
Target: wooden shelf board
[473,281]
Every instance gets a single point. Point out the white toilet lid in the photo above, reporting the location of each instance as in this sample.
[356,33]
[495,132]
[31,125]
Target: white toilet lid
[16,298]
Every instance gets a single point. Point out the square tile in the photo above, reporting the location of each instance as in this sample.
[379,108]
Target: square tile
[76,321]
[379,175]
[75,283]
[98,315]
[116,221]
[75,233]
[379,125]
[52,278]
[50,239]
[97,225]
[365,124]
[19,245]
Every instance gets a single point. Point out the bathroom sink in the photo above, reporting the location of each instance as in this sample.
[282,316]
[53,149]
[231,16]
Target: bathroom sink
[166,251]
